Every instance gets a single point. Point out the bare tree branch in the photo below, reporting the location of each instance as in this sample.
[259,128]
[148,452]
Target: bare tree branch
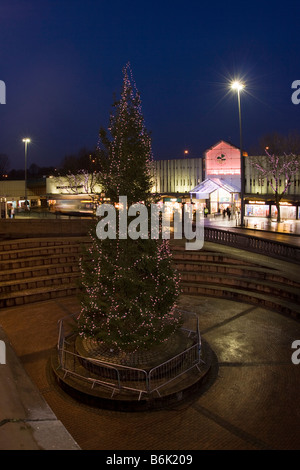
[277,169]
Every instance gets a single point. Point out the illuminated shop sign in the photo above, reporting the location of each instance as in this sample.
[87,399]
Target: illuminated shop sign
[172,199]
[223,159]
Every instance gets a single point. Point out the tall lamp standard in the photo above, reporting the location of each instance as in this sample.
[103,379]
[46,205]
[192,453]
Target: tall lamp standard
[238,87]
[26,142]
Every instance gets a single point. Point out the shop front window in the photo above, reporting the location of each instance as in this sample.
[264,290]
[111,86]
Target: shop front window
[286,212]
[257,210]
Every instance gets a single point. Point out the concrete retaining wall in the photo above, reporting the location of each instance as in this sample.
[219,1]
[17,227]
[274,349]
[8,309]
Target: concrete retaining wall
[35,228]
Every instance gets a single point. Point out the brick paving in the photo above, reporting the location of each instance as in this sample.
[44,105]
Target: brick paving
[252,404]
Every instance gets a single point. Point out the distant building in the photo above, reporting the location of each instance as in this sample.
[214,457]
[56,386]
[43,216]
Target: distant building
[211,181]
[221,186]
[12,194]
[177,176]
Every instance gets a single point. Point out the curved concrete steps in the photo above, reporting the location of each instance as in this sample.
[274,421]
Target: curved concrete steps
[40,269]
[32,270]
[247,277]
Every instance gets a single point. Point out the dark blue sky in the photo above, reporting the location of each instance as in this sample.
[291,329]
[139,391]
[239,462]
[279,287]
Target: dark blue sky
[61,61]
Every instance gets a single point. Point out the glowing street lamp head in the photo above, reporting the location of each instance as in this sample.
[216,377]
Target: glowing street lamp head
[236,85]
[26,140]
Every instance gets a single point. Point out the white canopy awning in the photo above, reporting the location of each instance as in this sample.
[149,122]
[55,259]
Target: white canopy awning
[204,189]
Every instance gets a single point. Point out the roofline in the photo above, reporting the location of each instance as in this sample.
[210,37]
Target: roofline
[225,141]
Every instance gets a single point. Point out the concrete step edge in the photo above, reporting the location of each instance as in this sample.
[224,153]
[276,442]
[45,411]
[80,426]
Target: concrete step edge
[250,281]
[33,269]
[278,301]
[38,290]
[19,282]
[45,241]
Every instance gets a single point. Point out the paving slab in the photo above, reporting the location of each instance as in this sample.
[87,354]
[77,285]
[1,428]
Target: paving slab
[26,420]
[252,403]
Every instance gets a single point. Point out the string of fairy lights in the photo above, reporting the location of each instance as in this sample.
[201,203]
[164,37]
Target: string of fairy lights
[145,314]
[130,287]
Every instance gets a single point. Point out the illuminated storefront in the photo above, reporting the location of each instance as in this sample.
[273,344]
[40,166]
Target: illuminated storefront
[221,188]
[287,211]
[216,194]
[257,209]
[13,192]
[170,204]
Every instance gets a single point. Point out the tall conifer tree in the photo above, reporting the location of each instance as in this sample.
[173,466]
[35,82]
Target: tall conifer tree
[129,286]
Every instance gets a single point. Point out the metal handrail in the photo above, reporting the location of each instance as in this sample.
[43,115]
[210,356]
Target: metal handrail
[121,366]
[183,353]
[248,242]
[145,385]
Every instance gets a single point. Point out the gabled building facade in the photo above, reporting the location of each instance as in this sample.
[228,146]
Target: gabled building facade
[220,189]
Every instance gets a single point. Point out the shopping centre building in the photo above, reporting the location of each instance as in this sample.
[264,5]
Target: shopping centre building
[212,181]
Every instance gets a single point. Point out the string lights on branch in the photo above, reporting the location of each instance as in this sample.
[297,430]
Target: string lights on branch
[129,287]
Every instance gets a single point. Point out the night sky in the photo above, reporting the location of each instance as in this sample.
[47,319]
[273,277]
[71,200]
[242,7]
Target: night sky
[62,60]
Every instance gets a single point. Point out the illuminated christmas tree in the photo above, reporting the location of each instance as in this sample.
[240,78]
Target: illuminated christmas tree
[129,286]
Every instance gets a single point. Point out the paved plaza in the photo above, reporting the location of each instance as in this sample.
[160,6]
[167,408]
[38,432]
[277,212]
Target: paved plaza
[251,403]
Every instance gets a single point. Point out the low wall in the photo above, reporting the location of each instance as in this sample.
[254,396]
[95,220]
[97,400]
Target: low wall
[34,228]
[275,249]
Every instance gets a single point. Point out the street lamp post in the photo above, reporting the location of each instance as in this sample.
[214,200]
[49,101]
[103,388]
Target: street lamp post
[238,86]
[26,142]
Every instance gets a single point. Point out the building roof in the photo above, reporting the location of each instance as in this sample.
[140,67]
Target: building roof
[224,142]
[204,189]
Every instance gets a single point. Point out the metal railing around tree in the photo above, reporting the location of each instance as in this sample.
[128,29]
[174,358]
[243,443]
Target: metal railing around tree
[119,377]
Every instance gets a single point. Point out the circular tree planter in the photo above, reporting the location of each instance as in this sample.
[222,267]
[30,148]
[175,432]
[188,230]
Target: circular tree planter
[164,375]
